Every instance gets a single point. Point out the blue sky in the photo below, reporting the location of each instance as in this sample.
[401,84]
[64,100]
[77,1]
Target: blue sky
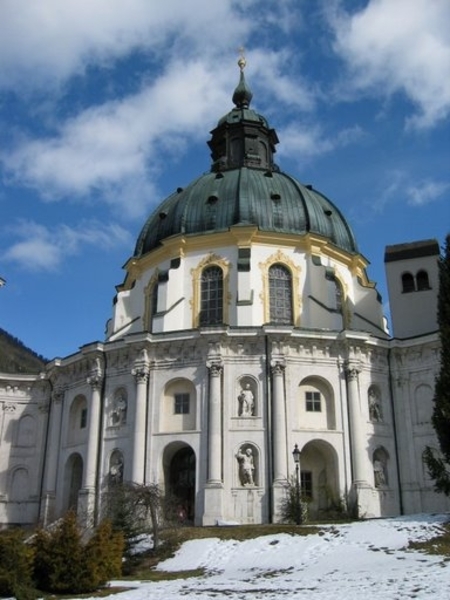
[106,107]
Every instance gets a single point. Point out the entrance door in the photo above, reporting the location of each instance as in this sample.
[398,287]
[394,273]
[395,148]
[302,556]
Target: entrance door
[182,482]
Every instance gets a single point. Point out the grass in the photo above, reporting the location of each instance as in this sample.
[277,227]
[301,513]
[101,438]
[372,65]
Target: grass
[172,539]
[439,545]
[145,569]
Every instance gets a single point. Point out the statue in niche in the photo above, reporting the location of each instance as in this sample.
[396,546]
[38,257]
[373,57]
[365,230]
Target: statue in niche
[246,466]
[379,472]
[246,401]
[119,412]
[375,413]
[116,468]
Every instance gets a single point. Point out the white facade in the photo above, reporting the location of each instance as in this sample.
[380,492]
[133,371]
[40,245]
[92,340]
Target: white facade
[357,403]
[246,325]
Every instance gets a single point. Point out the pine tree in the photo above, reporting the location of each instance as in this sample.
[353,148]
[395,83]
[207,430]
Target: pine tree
[103,556]
[16,566]
[439,466]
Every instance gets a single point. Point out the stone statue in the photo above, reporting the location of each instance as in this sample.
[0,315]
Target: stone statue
[379,473]
[374,407]
[246,467]
[116,469]
[246,402]
[119,413]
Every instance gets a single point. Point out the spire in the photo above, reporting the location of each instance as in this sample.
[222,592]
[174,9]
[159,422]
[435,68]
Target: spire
[242,137]
[242,94]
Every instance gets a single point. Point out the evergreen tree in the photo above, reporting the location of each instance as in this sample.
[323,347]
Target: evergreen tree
[439,466]
[103,556]
[16,566]
[65,564]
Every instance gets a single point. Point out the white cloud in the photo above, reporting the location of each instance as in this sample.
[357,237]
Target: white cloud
[45,42]
[115,148]
[114,152]
[426,192]
[271,69]
[309,141]
[44,248]
[399,46]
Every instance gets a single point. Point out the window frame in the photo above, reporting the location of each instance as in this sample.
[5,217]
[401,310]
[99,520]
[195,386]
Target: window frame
[306,484]
[313,404]
[181,402]
[280,295]
[211,297]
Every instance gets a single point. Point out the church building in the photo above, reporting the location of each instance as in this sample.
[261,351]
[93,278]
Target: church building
[246,326]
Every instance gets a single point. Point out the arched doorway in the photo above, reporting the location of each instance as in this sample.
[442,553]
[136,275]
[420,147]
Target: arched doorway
[181,480]
[319,477]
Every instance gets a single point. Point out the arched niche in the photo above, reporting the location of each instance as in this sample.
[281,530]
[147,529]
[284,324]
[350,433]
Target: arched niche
[78,416]
[119,407]
[316,405]
[26,433]
[380,463]
[247,400]
[423,403]
[178,406]
[115,470]
[20,484]
[247,471]
[375,404]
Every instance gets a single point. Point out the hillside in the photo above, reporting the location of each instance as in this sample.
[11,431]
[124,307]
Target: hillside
[15,357]
[380,559]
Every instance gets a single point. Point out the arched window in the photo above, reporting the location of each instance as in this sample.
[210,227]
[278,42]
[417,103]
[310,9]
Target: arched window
[280,294]
[211,296]
[408,284]
[422,280]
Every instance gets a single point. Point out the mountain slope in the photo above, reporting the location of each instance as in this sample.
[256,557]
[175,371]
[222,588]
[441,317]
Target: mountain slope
[15,357]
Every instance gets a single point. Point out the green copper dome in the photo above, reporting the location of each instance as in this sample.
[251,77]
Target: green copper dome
[245,187]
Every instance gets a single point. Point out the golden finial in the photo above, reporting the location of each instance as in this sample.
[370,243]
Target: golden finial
[241,61]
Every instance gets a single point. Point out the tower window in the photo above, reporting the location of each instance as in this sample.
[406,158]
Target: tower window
[181,404]
[280,294]
[211,296]
[422,281]
[408,284]
[313,402]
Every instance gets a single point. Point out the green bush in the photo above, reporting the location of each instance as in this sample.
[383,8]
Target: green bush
[16,566]
[64,564]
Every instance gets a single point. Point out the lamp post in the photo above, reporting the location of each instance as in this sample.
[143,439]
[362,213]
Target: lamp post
[298,505]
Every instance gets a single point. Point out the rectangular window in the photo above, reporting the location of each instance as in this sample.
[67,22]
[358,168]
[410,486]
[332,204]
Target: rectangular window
[313,402]
[306,484]
[83,418]
[181,404]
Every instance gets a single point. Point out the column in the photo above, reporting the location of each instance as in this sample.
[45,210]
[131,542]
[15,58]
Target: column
[213,512]
[141,374]
[90,468]
[52,454]
[279,424]
[356,435]
[215,424]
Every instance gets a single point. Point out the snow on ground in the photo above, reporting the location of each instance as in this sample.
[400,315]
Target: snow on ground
[366,560]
